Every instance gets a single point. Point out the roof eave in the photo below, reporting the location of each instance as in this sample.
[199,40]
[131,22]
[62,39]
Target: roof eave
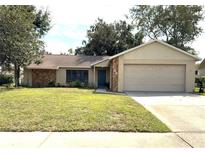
[203,61]
[43,68]
[58,67]
[99,62]
[74,67]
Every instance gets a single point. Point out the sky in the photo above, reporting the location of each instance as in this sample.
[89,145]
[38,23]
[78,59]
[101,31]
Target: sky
[70,22]
[72,18]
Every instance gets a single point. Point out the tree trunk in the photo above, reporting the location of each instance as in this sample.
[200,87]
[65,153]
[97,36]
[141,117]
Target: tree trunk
[16,74]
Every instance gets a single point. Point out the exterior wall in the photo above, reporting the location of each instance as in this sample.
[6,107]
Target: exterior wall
[190,76]
[156,53]
[202,69]
[114,74]
[103,64]
[91,77]
[202,72]
[41,77]
[107,74]
[120,74]
[27,77]
[61,75]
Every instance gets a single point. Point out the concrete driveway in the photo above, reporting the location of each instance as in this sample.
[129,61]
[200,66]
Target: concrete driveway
[183,113]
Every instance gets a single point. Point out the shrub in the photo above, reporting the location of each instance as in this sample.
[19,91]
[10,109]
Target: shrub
[58,85]
[107,85]
[200,81]
[6,79]
[84,85]
[78,84]
[51,83]
[91,86]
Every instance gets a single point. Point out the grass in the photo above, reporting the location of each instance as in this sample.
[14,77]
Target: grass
[196,90]
[72,109]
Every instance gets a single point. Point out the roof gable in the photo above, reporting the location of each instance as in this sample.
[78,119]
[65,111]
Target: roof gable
[202,64]
[156,51]
[160,42]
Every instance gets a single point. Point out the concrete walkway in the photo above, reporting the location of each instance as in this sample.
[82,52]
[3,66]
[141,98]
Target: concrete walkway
[89,139]
[183,113]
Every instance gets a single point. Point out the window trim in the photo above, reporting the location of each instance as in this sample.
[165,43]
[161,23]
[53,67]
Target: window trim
[83,75]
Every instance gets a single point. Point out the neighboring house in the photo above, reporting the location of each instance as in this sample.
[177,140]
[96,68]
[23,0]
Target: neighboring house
[197,70]
[10,71]
[153,66]
[201,68]
[4,70]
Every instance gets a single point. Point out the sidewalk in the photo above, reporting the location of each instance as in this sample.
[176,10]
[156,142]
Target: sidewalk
[89,139]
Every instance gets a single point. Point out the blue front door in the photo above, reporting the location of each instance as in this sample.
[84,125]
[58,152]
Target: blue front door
[101,78]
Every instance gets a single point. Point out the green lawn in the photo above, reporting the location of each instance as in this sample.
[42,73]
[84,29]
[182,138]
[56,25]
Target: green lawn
[72,109]
[196,90]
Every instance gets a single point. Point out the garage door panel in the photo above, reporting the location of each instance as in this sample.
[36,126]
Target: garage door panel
[170,88]
[154,77]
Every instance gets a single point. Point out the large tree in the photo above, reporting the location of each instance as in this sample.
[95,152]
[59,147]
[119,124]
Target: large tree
[21,30]
[175,24]
[108,39]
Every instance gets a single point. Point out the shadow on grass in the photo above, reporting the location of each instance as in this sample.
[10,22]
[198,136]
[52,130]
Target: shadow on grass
[42,87]
[196,91]
[88,130]
[5,89]
[108,93]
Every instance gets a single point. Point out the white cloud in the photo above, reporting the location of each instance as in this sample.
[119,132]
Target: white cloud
[86,12]
[71,20]
[66,18]
[199,44]
[69,31]
[55,46]
[69,15]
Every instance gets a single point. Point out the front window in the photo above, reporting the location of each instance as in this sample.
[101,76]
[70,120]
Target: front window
[77,75]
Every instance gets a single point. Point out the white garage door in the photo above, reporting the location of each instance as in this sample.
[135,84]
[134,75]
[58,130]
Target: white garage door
[154,78]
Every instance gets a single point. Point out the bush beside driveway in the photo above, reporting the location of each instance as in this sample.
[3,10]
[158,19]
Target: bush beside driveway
[196,90]
[72,109]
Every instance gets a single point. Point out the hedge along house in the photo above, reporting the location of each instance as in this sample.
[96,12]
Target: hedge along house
[153,66]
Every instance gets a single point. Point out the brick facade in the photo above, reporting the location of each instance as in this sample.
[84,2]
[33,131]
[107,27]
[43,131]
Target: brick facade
[41,77]
[114,74]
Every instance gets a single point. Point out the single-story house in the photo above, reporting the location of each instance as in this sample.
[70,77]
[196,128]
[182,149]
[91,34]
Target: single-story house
[201,68]
[153,66]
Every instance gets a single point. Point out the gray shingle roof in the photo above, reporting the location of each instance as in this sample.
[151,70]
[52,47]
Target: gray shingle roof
[56,61]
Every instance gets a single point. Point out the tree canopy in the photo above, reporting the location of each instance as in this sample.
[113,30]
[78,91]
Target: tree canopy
[174,24]
[177,25]
[21,29]
[108,38]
